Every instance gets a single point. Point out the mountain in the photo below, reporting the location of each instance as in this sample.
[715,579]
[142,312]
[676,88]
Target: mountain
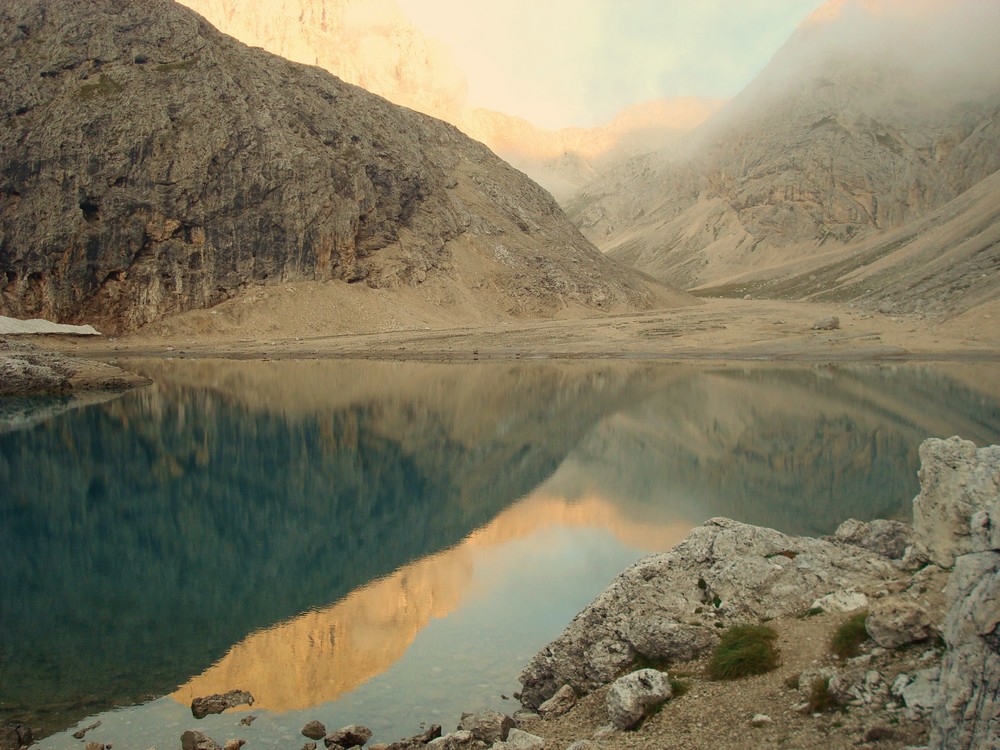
[371,43]
[874,115]
[152,165]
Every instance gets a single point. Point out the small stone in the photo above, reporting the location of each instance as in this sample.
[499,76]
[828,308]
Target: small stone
[234,744]
[94,746]
[309,746]
[563,700]
[81,732]
[761,720]
[314,730]
[248,720]
[827,324]
[518,739]
[349,736]
[841,601]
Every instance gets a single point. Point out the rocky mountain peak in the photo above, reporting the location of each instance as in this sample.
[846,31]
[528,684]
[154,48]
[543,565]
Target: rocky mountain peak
[151,165]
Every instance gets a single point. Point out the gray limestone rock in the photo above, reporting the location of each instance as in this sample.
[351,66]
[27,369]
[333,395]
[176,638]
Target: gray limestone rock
[521,740]
[563,700]
[889,538]
[827,324]
[751,572]
[958,483]
[487,725]
[634,696]
[967,713]
[896,620]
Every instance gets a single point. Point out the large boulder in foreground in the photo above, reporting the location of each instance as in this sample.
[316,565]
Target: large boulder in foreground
[664,608]
[958,508]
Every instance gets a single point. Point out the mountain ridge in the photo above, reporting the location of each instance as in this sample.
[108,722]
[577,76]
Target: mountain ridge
[157,166]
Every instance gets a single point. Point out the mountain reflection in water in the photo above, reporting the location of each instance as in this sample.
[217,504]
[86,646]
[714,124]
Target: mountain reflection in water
[243,508]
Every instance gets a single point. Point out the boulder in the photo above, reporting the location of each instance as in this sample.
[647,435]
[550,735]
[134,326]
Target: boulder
[959,501]
[217,703]
[521,740]
[558,704]
[488,725]
[897,620]
[746,573]
[841,601]
[635,696]
[967,714]
[353,735]
[827,324]
[920,694]
[888,538]
[462,739]
[314,730]
[192,739]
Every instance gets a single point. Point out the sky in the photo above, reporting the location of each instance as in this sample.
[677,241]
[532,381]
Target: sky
[559,63]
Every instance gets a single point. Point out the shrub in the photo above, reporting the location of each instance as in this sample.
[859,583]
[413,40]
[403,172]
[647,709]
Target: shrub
[847,639]
[744,650]
[821,700]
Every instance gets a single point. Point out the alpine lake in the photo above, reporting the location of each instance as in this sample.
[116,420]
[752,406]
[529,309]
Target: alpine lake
[389,543]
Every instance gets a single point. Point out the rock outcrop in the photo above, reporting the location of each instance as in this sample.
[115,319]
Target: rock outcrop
[958,508]
[744,573]
[152,165]
[665,607]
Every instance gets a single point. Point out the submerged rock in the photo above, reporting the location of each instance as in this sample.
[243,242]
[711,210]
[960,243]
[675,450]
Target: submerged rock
[314,730]
[217,703]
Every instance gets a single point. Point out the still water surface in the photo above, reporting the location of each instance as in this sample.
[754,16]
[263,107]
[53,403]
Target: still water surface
[388,543]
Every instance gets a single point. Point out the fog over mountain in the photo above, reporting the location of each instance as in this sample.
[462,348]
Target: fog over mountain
[873,115]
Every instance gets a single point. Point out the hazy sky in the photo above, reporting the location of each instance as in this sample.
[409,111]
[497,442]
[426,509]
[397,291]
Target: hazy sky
[577,62]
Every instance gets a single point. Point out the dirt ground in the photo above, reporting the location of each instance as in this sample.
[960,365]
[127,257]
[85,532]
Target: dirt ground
[307,320]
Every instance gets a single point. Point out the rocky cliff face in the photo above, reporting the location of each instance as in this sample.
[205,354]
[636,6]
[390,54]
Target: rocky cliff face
[865,121]
[151,165]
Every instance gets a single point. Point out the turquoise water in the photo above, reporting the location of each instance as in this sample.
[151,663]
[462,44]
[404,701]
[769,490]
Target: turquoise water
[389,543]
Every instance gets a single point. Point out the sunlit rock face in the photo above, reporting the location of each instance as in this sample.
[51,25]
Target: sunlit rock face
[869,118]
[369,43]
[152,165]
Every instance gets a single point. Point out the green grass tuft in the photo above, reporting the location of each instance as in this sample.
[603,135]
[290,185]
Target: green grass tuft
[847,639]
[744,650]
[104,86]
[678,686]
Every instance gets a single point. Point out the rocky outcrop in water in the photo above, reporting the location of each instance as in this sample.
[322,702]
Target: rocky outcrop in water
[150,165]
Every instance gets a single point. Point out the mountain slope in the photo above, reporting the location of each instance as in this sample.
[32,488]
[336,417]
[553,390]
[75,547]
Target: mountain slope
[152,165]
[874,114]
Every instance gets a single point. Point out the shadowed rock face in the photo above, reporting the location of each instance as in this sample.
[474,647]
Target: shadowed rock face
[150,165]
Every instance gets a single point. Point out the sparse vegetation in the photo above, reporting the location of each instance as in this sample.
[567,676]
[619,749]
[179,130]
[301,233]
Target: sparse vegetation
[104,86]
[744,650]
[821,700]
[678,686]
[811,612]
[179,65]
[847,639]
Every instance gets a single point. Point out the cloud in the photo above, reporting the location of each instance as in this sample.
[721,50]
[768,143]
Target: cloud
[577,62]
